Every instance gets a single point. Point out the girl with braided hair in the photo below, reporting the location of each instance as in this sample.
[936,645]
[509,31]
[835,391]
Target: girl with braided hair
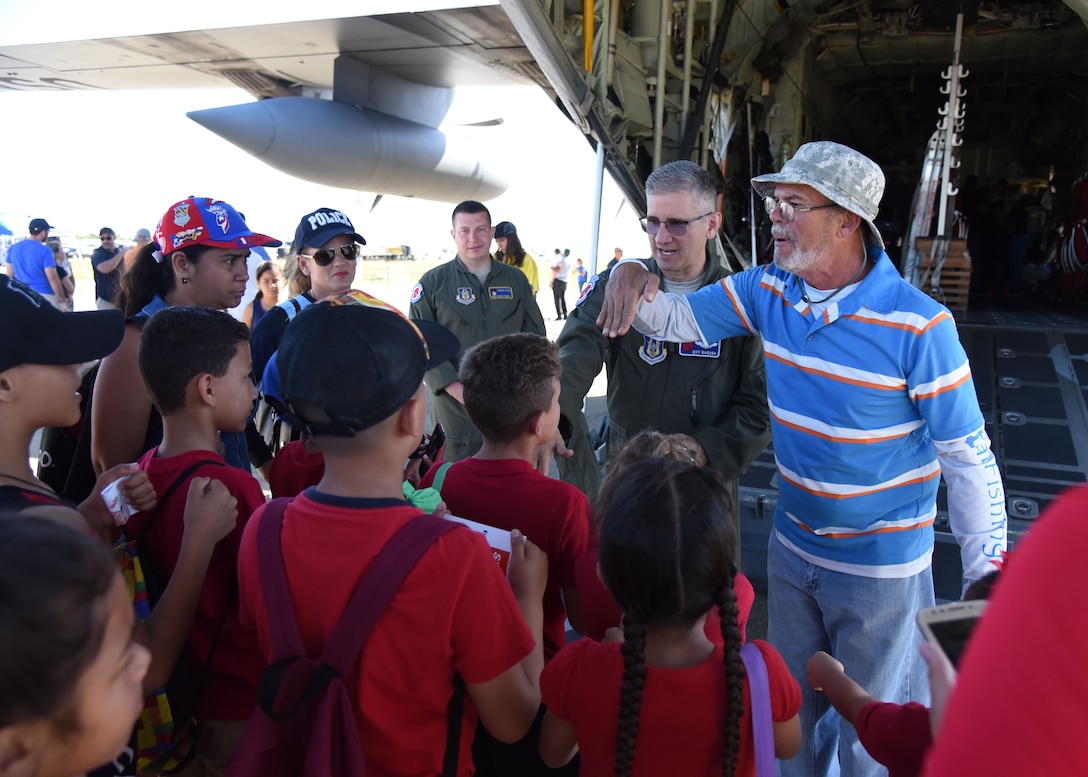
[666,700]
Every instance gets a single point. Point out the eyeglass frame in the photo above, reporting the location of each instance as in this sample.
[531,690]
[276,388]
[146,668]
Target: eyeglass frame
[323,257]
[670,225]
[788,211]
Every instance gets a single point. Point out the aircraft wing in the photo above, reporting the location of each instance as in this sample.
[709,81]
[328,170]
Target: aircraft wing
[375,87]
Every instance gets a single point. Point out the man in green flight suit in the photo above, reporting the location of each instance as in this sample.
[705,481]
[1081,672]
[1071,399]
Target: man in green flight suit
[476,298]
[712,398]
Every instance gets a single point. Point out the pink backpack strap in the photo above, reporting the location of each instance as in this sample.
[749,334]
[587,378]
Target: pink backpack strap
[282,624]
[372,594]
[377,587]
[759,693]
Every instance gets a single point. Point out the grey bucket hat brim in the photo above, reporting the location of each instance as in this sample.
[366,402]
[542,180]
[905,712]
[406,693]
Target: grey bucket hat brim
[847,178]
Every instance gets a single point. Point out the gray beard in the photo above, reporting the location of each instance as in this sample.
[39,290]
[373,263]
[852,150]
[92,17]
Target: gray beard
[798,262]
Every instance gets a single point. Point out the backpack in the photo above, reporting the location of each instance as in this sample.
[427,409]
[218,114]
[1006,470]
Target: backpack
[268,417]
[64,458]
[165,733]
[304,724]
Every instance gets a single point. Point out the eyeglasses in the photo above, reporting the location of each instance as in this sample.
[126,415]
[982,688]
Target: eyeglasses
[787,210]
[325,256]
[676,227]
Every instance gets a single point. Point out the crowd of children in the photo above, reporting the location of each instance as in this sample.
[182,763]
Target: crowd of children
[662,684]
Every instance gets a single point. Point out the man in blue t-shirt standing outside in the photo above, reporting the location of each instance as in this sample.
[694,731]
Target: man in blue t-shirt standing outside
[31,261]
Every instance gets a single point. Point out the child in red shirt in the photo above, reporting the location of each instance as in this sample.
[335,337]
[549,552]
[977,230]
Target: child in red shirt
[351,375]
[39,382]
[897,736]
[599,611]
[667,700]
[511,391]
[195,364]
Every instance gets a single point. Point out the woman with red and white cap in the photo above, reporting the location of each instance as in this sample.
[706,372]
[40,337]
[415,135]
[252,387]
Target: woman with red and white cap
[197,257]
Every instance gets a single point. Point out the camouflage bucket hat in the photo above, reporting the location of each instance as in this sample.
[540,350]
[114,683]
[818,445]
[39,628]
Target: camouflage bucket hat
[841,174]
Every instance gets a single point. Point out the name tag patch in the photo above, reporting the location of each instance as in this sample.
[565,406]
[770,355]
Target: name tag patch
[695,349]
[500,292]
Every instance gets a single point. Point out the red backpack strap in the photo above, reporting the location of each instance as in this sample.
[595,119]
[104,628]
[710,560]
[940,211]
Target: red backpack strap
[282,623]
[381,581]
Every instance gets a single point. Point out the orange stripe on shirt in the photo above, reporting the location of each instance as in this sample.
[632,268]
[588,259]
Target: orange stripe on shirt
[945,389]
[882,530]
[833,376]
[871,491]
[736,307]
[833,438]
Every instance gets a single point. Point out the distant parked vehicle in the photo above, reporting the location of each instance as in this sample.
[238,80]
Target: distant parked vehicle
[386,252]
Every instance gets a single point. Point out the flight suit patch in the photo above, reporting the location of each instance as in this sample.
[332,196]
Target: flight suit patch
[588,289]
[695,349]
[465,295]
[652,350]
[500,292]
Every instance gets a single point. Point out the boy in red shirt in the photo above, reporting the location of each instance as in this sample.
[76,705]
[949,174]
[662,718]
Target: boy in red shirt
[511,390]
[351,375]
[196,366]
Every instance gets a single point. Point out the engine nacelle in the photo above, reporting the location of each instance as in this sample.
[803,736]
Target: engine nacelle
[337,144]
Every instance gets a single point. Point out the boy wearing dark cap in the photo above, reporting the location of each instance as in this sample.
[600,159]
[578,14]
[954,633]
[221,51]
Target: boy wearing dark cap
[39,379]
[351,371]
[40,355]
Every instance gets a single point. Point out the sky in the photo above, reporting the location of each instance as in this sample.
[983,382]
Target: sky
[84,160]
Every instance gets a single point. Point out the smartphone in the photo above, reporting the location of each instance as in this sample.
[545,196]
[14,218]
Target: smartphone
[435,443]
[949,626]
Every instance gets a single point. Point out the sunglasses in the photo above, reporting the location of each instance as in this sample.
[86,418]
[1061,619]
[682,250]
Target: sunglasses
[325,256]
[105,237]
[676,227]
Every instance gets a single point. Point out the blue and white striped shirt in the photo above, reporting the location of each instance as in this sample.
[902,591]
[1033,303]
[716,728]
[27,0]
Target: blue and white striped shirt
[868,402]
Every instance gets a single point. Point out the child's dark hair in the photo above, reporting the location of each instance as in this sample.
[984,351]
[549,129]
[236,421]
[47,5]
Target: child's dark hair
[506,381]
[668,540]
[148,276]
[179,343]
[262,268]
[53,584]
[983,587]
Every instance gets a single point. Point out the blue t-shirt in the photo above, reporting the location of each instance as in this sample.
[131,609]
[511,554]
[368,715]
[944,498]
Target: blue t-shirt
[30,260]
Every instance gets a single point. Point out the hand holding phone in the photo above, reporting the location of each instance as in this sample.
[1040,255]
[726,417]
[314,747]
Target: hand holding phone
[949,626]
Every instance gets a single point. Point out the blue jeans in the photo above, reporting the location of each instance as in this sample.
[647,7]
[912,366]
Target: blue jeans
[866,623]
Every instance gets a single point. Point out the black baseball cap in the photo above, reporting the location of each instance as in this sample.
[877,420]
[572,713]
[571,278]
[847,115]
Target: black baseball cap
[39,225]
[321,226]
[370,362]
[106,231]
[38,333]
[505,229]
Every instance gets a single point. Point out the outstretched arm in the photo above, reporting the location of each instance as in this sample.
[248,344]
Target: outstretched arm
[826,674]
[629,282]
